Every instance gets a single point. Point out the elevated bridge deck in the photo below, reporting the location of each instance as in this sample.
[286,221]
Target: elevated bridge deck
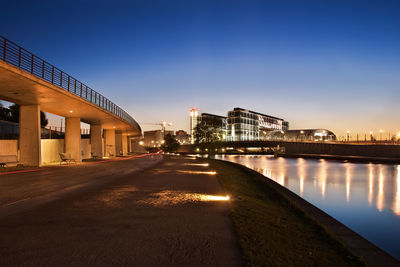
[36,85]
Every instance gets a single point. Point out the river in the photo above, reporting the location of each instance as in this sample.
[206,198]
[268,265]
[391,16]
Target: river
[363,196]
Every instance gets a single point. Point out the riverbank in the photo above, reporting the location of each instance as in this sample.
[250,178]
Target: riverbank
[276,227]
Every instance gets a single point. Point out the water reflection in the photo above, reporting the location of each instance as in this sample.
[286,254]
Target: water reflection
[322,176]
[380,198]
[370,183]
[365,197]
[348,181]
[301,173]
[396,202]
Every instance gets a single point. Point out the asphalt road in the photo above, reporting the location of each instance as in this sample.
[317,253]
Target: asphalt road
[137,212]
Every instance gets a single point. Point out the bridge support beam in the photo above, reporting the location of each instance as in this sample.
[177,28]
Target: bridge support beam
[118,142]
[29,135]
[96,140]
[109,136]
[73,137]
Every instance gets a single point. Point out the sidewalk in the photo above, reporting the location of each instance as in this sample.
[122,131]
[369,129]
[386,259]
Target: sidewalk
[173,214]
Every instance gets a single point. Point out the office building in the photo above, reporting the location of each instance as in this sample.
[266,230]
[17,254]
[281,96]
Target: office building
[219,121]
[301,135]
[194,119]
[182,137]
[154,138]
[243,125]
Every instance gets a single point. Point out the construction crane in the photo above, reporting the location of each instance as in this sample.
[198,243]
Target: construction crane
[162,124]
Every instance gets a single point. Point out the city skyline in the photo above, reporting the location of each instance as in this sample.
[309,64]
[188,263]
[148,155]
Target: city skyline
[327,65]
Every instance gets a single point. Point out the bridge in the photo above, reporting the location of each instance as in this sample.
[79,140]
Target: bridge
[36,85]
[305,148]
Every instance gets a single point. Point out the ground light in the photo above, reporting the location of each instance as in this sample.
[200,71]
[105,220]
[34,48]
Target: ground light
[197,172]
[197,164]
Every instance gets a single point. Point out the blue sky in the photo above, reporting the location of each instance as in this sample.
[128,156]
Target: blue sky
[317,64]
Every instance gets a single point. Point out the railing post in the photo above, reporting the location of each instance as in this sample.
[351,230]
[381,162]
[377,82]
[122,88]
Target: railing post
[91,95]
[68,82]
[42,69]
[86,93]
[32,59]
[81,88]
[61,78]
[4,49]
[19,57]
[52,74]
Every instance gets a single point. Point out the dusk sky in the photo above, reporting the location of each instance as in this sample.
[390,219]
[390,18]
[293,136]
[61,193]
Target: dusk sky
[317,64]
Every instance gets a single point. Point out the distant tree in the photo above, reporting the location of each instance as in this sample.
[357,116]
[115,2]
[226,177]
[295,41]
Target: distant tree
[14,115]
[208,130]
[3,112]
[170,144]
[43,119]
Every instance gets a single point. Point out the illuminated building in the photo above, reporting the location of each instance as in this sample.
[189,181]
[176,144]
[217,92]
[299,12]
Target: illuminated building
[220,121]
[194,119]
[155,138]
[182,137]
[243,125]
[300,135]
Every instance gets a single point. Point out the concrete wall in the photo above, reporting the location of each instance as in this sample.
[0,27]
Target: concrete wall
[86,148]
[9,147]
[50,149]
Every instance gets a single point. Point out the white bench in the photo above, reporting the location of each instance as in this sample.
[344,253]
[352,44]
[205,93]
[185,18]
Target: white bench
[66,157]
[6,159]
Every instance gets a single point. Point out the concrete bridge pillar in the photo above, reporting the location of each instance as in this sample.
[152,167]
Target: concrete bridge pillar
[73,137]
[129,144]
[29,135]
[96,140]
[125,144]
[109,138]
[118,142]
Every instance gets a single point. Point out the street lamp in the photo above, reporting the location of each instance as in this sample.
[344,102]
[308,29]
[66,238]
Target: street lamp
[348,135]
[370,135]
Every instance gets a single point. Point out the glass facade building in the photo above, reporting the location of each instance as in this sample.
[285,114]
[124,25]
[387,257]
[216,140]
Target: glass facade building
[302,135]
[222,121]
[244,125]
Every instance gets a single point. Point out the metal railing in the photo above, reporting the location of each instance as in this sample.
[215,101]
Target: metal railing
[19,57]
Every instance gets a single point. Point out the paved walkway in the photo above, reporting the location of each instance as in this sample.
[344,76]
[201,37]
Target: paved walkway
[173,214]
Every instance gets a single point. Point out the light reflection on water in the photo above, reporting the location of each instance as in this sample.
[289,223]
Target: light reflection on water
[363,196]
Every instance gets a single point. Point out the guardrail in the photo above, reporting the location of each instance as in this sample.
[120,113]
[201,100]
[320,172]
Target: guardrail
[19,57]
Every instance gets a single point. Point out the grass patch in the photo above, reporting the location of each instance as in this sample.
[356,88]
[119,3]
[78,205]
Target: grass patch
[271,230]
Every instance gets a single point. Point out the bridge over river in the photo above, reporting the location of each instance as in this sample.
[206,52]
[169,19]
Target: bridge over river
[383,151]
[36,85]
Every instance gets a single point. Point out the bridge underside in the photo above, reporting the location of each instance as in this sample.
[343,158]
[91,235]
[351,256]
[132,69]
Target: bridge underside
[20,87]
[34,94]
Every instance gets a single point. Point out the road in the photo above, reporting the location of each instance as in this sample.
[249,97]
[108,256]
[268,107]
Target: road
[141,212]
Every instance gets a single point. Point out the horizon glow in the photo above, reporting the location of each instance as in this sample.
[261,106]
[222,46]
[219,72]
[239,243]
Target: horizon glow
[331,64]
